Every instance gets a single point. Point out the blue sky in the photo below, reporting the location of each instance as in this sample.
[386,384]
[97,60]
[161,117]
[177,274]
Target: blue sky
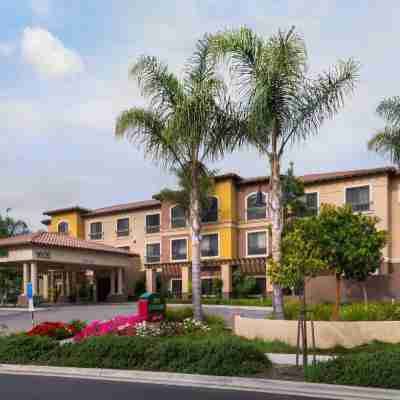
[64,79]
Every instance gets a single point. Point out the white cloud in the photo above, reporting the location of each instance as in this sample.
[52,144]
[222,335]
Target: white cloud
[6,49]
[48,55]
[40,8]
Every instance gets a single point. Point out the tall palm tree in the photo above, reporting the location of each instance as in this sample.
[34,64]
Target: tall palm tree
[387,140]
[187,124]
[284,105]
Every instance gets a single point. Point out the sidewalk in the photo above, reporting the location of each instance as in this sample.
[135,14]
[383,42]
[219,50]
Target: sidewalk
[314,390]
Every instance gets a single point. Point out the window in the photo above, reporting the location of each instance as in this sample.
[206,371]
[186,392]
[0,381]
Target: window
[311,204]
[207,286]
[63,227]
[178,217]
[261,285]
[209,245]
[358,198]
[179,249]
[257,243]
[211,213]
[123,227]
[153,252]
[153,223]
[176,287]
[96,231]
[253,210]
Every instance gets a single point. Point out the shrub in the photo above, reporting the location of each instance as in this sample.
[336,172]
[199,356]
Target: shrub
[380,369]
[214,355]
[348,312]
[178,314]
[57,330]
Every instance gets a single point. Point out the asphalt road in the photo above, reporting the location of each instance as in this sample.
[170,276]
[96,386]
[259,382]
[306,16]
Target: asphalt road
[19,387]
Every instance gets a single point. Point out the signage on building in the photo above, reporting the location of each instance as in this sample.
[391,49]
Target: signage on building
[43,254]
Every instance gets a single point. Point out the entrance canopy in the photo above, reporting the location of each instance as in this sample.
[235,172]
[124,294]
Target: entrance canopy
[54,249]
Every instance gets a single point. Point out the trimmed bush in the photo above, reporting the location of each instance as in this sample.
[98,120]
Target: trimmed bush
[212,355]
[380,369]
[348,312]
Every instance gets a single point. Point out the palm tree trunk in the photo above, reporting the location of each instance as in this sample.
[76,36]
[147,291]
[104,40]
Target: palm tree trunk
[195,220]
[335,315]
[277,228]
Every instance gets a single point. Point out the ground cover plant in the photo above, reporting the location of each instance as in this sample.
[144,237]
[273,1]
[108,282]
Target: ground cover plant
[378,369]
[58,330]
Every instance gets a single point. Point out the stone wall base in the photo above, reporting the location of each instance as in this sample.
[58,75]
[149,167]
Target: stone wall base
[23,300]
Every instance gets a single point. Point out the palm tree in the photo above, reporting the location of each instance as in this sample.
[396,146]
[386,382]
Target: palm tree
[284,105]
[187,124]
[387,141]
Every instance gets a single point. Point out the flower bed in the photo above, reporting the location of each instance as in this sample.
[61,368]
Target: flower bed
[58,330]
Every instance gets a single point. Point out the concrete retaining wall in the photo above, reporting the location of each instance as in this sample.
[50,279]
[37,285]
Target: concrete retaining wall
[328,333]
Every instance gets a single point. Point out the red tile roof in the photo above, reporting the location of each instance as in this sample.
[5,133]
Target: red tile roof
[66,209]
[50,239]
[328,176]
[137,205]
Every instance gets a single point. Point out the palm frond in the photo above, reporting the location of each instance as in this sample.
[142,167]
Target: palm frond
[146,129]
[389,110]
[318,100]
[157,83]
[387,142]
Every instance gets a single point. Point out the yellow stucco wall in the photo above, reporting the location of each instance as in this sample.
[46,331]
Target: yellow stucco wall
[76,226]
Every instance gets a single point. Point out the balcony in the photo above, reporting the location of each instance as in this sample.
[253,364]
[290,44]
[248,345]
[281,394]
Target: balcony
[152,229]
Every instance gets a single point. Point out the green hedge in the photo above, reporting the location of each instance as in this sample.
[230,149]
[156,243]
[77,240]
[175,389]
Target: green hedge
[218,355]
[348,312]
[259,302]
[381,369]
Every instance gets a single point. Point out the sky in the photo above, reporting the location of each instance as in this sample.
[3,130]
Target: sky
[64,80]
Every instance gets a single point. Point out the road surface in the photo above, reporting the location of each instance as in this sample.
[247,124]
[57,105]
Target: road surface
[23,387]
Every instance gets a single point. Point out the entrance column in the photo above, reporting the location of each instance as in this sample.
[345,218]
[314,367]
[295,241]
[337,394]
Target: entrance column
[186,278]
[226,275]
[34,278]
[46,286]
[120,281]
[112,278]
[26,278]
[151,285]
[67,284]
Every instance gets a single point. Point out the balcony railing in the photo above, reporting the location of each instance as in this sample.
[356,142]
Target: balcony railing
[96,235]
[152,228]
[152,259]
[257,251]
[123,232]
[360,207]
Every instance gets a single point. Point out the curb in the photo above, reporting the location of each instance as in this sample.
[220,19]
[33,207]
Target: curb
[267,309]
[290,359]
[315,390]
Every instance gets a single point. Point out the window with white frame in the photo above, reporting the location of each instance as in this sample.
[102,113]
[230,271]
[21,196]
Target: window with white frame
[63,227]
[153,252]
[153,223]
[209,246]
[178,217]
[176,287]
[123,227]
[96,231]
[210,214]
[257,243]
[358,198]
[254,210]
[179,249]
[311,204]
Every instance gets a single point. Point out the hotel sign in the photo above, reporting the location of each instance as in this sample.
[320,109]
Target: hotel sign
[43,254]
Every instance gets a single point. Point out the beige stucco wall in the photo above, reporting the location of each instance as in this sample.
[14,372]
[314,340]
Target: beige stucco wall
[334,193]
[137,238]
[328,334]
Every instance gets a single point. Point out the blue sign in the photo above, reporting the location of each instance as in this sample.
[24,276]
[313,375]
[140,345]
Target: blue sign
[29,290]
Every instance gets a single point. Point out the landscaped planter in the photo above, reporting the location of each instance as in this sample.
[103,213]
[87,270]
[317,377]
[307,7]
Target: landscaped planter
[328,334]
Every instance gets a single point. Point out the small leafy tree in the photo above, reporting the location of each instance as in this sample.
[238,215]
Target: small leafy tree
[351,244]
